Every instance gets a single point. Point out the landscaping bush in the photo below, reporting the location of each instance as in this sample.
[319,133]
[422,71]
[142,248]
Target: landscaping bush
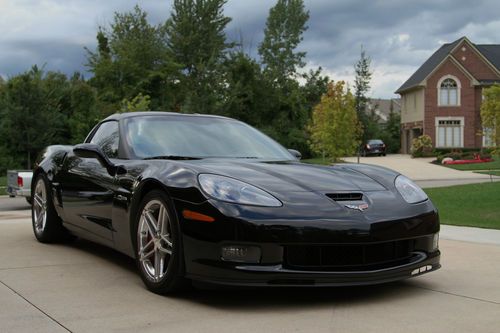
[422,147]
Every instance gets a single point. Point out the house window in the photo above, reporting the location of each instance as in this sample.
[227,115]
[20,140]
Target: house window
[448,93]
[449,133]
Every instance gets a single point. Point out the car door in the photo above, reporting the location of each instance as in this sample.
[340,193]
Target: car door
[87,189]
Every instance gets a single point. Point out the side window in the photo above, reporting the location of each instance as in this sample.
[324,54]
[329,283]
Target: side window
[107,138]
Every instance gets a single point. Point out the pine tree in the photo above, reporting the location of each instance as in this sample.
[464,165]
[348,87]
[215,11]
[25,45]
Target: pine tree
[361,88]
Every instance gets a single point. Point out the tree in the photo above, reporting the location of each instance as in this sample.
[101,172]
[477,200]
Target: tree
[248,94]
[490,113]
[132,58]
[335,128]
[197,41]
[391,131]
[138,103]
[361,88]
[288,114]
[285,26]
[30,102]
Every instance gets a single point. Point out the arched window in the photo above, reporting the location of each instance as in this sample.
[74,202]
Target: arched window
[449,92]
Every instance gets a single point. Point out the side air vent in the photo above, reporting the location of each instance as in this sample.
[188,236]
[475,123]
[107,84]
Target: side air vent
[345,196]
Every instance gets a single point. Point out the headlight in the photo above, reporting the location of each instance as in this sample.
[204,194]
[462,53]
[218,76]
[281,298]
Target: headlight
[410,191]
[235,191]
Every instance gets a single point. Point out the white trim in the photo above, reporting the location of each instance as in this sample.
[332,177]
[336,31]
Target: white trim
[462,125]
[459,90]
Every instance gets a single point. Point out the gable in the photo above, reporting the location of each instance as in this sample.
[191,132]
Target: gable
[484,67]
[475,63]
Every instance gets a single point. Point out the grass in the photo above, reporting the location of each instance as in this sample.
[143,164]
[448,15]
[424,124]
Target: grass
[495,165]
[493,173]
[3,185]
[317,160]
[474,205]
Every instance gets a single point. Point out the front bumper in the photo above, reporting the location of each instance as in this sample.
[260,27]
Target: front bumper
[277,275]
[203,242]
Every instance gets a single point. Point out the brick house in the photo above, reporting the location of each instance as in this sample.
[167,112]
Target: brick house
[443,97]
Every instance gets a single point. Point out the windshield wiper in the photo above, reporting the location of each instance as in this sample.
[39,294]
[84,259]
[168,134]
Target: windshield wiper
[172,157]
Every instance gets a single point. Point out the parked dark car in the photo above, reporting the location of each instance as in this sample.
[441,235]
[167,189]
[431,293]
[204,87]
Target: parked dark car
[208,198]
[373,147]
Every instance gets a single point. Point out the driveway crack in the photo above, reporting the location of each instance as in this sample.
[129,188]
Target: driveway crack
[36,307]
[458,295]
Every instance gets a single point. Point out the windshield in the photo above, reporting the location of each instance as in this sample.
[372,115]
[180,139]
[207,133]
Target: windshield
[199,137]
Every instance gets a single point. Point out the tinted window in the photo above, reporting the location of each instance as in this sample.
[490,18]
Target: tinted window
[375,142]
[107,138]
[199,137]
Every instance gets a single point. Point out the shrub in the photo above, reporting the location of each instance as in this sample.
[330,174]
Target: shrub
[422,147]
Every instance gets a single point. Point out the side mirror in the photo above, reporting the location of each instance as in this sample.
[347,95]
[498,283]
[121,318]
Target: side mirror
[295,153]
[91,150]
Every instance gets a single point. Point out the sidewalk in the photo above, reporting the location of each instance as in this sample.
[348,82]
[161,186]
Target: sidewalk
[470,234]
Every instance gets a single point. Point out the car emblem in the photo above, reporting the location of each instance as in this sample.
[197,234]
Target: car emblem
[361,207]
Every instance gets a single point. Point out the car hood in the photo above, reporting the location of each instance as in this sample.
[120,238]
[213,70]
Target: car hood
[283,177]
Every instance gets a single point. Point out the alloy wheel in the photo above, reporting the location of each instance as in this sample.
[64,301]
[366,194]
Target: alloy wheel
[154,240]
[40,206]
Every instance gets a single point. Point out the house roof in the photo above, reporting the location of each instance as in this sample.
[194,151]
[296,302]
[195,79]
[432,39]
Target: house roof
[382,107]
[490,51]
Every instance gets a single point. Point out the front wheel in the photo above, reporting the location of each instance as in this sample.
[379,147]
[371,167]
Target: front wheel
[159,254]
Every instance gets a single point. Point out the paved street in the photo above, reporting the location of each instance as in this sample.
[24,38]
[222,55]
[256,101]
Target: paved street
[83,287]
[423,172]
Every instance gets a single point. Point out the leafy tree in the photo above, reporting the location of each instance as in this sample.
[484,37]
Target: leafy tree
[285,26]
[132,58]
[288,117]
[138,103]
[248,94]
[361,88]
[84,109]
[490,113]
[29,104]
[197,41]
[335,127]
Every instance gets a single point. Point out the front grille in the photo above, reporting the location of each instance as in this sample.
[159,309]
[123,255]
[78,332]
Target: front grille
[348,257]
[346,196]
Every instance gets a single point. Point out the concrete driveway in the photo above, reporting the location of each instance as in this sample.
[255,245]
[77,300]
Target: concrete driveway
[423,171]
[83,287]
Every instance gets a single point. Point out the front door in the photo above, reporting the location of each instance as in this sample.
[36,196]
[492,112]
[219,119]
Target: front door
[88,190]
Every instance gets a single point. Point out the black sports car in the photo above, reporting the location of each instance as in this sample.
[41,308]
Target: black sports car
[208,198]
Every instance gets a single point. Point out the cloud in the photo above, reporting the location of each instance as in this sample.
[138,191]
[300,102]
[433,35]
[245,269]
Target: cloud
[398,35]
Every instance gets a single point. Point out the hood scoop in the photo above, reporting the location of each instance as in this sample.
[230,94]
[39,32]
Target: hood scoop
[346,196]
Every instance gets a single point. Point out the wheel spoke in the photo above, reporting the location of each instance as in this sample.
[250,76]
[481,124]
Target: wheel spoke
[167,241]
[39,200]
[144,256]
[146,246]
[151,222]
[161,220]
[158,265]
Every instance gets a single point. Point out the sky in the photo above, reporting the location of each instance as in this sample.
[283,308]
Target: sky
[397,35]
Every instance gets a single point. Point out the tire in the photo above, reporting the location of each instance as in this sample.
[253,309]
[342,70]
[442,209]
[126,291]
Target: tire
[158,245]
[47,225]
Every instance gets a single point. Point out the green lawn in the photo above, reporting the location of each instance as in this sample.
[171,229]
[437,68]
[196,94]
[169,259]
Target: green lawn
[494,173]
[317,160]
[3,185]
[495,165]
[475,205]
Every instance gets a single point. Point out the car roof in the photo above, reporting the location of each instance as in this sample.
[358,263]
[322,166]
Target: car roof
[125,115]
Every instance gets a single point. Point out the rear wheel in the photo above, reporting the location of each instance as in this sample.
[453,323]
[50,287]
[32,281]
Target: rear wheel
[47,225]
[159,254]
